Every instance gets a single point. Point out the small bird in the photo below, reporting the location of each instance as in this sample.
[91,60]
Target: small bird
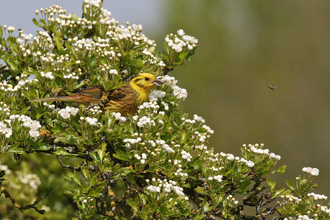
[271,87]
[125,100]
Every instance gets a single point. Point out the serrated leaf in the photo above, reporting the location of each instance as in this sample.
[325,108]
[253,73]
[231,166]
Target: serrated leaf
[94,156]
[61,152]
[36,22]
[281,169]
[58,41]
[73,177]
[11,65]
[125,171]
[101,151]
[278,192]
[41,146]
[85,172]
[58,128]
[206,207]
[271,184]
[290,184]
[122,155]
[95,193]
[14,149]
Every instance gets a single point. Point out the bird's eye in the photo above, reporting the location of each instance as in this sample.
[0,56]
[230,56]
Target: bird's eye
[147,78]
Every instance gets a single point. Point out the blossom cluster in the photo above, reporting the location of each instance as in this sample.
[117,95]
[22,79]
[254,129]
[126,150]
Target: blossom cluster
[156,94]
[289,200]
[255,149]
[95,109]
[143,156]
[55,15]
[167,186]
[118,117]
[6,125]
[9,29]
[48,75]
[145,122]
[217,178]
[311,171]
[89,120]
[186,156]
[317,196]
[22,82]
[67,112]
[149,105]
[231,157]
[129,141]
[180,41]
[72,75]
[52,106]
[180,93]
[31,179]
[5,129]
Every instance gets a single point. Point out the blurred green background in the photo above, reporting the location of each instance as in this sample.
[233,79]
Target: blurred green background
[242,46]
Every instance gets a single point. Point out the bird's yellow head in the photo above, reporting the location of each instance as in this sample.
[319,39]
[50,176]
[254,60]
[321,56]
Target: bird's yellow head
[143,83]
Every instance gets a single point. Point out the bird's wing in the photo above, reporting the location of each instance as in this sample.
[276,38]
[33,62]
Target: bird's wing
[120,94]
[94,92]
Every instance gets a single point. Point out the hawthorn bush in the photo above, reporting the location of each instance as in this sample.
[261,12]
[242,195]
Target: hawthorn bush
[155,164]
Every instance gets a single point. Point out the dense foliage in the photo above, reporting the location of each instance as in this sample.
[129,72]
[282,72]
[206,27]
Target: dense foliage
[152,165]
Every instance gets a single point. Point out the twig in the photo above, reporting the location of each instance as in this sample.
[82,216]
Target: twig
[30,206]
[33,205]
[59,158]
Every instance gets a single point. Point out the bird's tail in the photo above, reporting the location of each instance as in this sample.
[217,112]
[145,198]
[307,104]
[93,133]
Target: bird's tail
[58,98]
[85,100]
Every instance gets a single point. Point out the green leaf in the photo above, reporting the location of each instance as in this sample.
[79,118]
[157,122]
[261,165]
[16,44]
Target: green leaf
[79,85]
[125,171]
[101,150]
[122,155]
[96,193]
[58,41]
[290,184]
[14,149]
[94,157]
[206,207]
[93,180]
[85,172]
[72,177]
[196,164]
[281,169]
[41,146]
[11,65]
[36,22]
[271,184]
[58,128]
[278,192]
[61,152]
[74,17]
[91,62]
[183,137]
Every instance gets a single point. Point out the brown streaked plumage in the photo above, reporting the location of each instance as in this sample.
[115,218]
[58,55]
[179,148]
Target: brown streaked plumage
[124,100]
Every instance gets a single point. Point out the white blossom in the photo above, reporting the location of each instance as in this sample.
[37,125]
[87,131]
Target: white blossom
[152,188]
[64,113]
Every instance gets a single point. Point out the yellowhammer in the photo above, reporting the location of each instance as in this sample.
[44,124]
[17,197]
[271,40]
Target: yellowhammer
[125,100]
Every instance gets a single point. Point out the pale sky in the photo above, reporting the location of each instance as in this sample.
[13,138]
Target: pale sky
[19,13]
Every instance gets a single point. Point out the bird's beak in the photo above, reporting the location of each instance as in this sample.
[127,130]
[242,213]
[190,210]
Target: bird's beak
[157,82]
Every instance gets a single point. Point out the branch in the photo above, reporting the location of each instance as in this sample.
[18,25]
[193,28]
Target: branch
[90,167]
[59,158]
[41,211]
[30,206]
